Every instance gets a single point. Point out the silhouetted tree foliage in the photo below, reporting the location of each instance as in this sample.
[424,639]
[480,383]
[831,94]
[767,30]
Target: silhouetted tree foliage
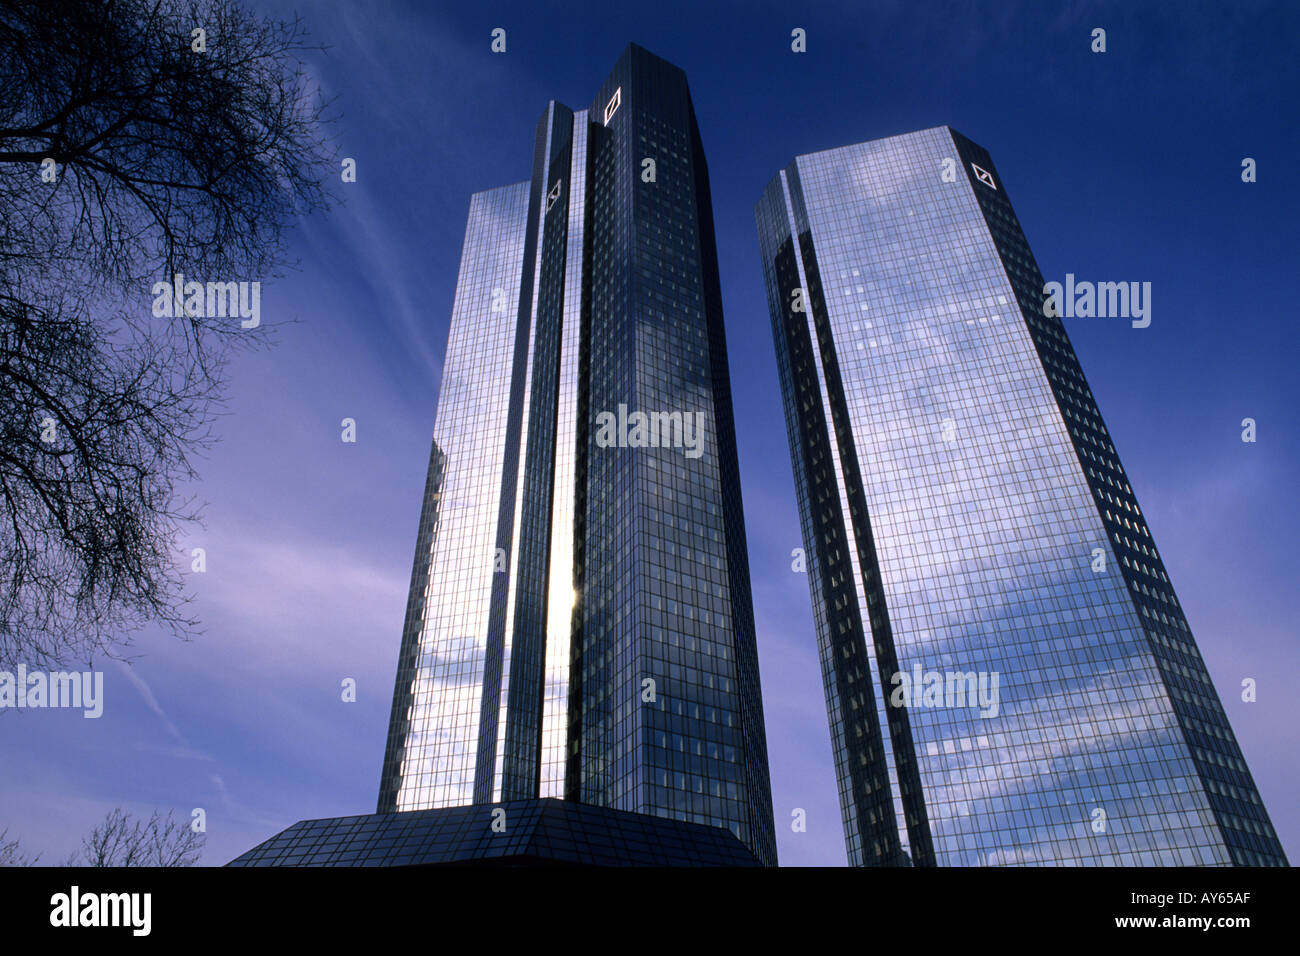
[166,161]
[11,852]
[123,840]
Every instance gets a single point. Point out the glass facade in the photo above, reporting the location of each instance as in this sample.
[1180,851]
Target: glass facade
[580,622]
[433,739]
[1009,676]
[518,833]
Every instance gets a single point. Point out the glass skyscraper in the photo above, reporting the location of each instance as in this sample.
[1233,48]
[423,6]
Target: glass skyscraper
[580,623]
[1009,676]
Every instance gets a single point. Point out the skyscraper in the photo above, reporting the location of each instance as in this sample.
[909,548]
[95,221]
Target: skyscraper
[580,623]
[1009,676]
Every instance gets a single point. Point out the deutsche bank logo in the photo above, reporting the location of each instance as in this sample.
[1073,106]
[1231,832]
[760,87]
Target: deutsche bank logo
[612,106]
[984,176]
[554,194]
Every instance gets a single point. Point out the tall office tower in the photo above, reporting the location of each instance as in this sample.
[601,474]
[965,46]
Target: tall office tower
[972,539]
[580,623]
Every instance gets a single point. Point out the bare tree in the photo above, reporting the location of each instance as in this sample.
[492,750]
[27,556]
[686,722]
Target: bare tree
[122,840]
[11,853]
[139,140]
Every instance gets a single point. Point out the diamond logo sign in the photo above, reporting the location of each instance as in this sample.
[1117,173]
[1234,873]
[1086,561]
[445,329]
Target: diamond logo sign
[984,176]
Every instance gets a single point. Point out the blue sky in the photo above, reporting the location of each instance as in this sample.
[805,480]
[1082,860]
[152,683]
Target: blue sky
[1122,166]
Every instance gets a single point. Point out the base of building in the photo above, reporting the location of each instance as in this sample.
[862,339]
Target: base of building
[544,832]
